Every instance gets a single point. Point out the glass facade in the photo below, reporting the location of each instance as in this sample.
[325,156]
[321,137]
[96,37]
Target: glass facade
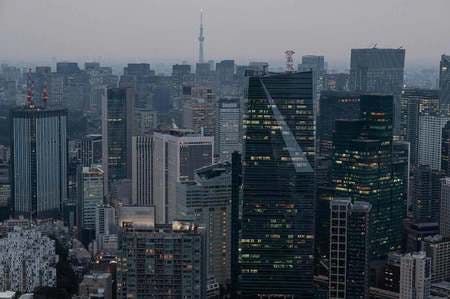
[363,170]
[39,161]
[277,226]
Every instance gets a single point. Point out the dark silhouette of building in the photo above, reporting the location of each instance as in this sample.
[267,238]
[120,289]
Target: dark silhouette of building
[277,227]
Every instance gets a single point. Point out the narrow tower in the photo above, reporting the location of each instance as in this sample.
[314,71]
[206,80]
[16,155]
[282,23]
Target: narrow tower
[201,39]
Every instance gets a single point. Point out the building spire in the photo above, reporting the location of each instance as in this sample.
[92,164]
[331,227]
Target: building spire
[201,39]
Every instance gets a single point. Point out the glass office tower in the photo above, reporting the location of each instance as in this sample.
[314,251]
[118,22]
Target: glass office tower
[277,227]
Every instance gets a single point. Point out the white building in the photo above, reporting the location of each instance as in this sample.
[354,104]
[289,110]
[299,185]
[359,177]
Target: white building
[141,173]
[438,249]
[430,140]
[27,261]
[176,155]
[445,208]
[415,276]
[228,127]
[105,225]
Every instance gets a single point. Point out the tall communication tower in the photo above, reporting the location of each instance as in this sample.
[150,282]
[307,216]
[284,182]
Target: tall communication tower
[290,60]
[201,39]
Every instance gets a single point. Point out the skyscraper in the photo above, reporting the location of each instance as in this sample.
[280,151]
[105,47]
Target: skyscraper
[206,199]
[38,161]
[376,70]
[176,155]
[415,276]
[416,102]
[228,127]
[438,250]
[444,228]
[444,81]
[117,129]
[429,145]
[363,170]
[349,248]
[142,175]
[91,195]
[334,105]
[91,150]
[316,64]
[445,150]
[277,227]
[425,195]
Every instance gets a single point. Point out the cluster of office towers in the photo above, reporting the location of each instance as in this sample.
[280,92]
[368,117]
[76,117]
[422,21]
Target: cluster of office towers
[308,184]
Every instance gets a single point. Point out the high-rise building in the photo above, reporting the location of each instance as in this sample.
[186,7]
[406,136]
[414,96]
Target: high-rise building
[176,155]
[146,120]
[349,248]
[376,70]
[391,277]
[142,175]
[415,276]
[414,103]
[334,105]
[228,130]
[199,111]
[317,65]
[105,224]
[401,166]
[91,150]
[363,171]
[181,76]
[27,261]
[445,150]
[429,146]
[425,195]
[207,199]
[166,261]
[438,250]
[444,81]
[38,161]
[445,208]
[91,195]
[277,226]
[117,129]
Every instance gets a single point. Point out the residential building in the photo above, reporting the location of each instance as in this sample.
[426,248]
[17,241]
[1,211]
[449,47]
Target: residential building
[27,261]
[162,261]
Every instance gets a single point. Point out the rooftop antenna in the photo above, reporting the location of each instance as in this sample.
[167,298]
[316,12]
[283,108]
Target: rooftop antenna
[45,95]
[30,85]
[290,61]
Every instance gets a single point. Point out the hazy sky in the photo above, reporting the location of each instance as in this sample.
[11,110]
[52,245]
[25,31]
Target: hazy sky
[152,30]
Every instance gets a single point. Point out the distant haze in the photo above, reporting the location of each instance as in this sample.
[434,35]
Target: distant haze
[167,30]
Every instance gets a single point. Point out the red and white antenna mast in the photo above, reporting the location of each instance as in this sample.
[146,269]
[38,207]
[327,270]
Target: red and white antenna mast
[290,61]
[30,85]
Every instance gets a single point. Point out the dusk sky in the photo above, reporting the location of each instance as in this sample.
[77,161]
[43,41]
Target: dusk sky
[167,30]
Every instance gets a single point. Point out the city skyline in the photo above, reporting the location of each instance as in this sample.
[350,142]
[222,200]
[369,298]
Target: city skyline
[158,31]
